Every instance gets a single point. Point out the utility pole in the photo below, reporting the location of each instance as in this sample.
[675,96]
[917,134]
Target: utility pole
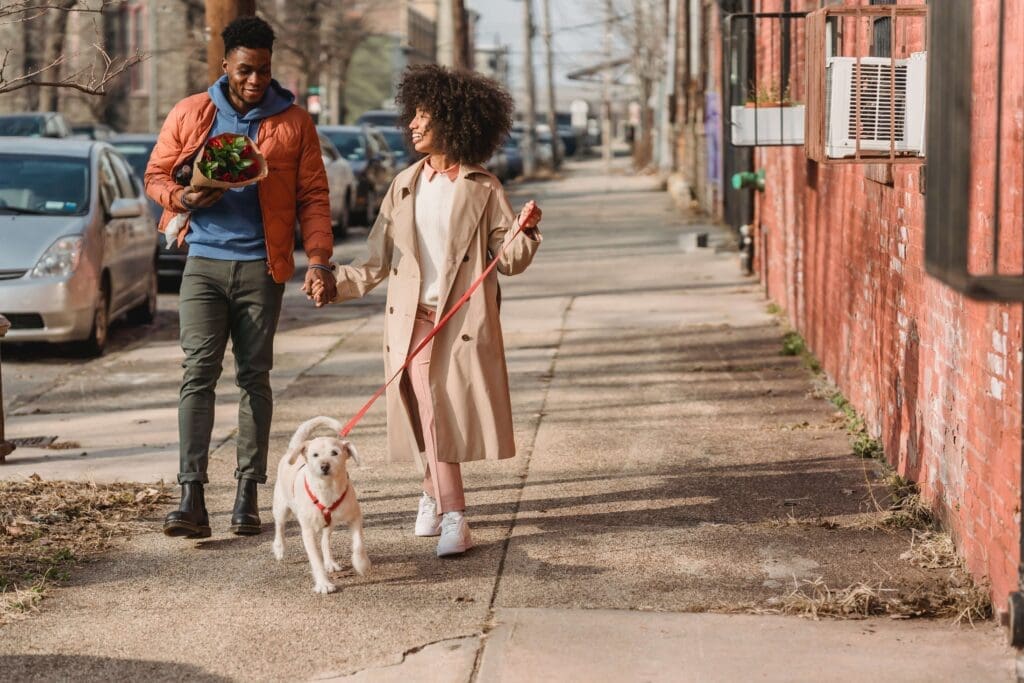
[552,117]
[530,138]
[460,40]
[606,95]
[153,115]
[220,13]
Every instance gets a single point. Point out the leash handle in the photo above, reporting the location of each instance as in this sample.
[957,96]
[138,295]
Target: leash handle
[437,328]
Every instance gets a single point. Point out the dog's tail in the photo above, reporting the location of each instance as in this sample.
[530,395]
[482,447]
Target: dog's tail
[304,431]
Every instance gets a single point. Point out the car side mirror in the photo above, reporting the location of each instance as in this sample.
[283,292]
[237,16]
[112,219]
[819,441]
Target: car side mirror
[125,208]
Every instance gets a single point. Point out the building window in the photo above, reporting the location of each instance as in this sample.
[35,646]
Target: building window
[881,33]
[135,41]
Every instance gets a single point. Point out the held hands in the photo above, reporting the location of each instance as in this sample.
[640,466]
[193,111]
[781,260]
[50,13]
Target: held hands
[320,286]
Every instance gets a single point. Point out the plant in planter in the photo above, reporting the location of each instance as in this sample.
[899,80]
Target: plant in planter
[769,96]
[770,116]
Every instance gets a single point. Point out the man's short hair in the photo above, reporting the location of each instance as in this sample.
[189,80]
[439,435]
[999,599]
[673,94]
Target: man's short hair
[250,32]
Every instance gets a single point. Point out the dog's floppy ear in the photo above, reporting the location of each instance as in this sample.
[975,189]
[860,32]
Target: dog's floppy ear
[294,453]
[351,450]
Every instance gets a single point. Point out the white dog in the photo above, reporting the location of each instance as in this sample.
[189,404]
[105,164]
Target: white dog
[316,489]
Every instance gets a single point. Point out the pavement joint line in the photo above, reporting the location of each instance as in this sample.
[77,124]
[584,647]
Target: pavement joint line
[549,377]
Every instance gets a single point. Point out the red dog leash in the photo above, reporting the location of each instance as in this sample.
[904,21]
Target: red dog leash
[437,328]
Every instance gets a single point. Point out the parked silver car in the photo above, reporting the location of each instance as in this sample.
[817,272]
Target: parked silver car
[341,182]
[77,242]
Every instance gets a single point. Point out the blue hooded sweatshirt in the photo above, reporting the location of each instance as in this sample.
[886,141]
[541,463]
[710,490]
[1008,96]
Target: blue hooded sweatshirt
[232,229]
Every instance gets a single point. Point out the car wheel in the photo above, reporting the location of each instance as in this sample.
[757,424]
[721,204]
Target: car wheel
[96,343]
[145,313]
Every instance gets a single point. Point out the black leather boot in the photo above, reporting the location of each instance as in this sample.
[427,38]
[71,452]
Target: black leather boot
[245,517]
[190,519]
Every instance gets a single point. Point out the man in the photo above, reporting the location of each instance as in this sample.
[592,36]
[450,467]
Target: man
[240,255]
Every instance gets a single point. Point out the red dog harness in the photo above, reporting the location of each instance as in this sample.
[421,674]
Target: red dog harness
[326,511]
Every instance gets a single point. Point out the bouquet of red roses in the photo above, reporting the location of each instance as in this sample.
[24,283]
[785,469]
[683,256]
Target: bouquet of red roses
[228,160]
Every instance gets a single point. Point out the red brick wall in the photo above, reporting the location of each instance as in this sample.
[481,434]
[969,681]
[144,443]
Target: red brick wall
[936,375]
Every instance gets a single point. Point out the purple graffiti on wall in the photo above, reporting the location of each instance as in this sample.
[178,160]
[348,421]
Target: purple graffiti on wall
[713,136]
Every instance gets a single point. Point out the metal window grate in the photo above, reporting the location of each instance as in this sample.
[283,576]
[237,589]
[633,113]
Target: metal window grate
[764,96]
[971,242]
[860,108]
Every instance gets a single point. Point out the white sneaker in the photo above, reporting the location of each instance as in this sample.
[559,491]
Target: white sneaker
[454,535]
[427,521]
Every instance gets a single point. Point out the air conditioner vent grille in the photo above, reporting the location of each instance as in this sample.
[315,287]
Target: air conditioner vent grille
[877,83]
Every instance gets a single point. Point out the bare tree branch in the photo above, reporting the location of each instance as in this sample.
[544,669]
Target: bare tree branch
[45,70]
[85,80]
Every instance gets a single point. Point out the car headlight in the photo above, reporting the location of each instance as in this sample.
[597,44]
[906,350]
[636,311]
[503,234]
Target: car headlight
[60,259]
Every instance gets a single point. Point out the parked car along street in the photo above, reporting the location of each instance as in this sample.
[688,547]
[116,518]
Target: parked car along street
[78,239]
[378,117]
[44,124]
[136,148]
[513,156]
[372,163]
[341,181]
[401,147]
[92,131]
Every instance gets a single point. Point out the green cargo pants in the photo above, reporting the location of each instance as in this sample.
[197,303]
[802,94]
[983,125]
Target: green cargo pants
[219,299]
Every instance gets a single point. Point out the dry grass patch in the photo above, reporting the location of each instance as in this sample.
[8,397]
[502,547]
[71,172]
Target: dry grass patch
[46,527]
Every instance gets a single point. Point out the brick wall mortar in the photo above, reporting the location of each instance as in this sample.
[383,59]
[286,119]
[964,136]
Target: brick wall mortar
[936,376]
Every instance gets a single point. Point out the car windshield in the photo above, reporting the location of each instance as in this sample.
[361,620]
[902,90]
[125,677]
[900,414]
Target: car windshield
[396,141]
[137,154]
[44,185]
[22,125]
[349,144]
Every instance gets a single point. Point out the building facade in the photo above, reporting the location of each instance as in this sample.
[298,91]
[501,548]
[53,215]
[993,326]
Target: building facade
[935,373]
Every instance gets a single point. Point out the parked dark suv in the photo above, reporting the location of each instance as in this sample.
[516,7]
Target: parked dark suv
[372,162]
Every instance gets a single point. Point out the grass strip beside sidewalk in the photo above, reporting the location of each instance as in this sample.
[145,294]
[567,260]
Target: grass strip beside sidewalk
[47,527]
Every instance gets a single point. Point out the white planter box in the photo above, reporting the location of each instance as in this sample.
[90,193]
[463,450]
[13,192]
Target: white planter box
[753,126]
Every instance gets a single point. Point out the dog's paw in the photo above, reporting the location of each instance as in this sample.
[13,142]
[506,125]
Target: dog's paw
[331,566]
[324,588]
[361,563]
[278,549]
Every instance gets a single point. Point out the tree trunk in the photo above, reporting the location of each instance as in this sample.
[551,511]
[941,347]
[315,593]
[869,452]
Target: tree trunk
[56,23]
[220,13]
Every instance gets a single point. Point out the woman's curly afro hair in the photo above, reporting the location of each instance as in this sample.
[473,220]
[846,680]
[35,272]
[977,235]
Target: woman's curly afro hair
[470,115]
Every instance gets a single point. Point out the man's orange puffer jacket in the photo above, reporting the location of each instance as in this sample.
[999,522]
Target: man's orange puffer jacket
[295,187]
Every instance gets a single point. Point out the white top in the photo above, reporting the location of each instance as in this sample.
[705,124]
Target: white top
[433,211]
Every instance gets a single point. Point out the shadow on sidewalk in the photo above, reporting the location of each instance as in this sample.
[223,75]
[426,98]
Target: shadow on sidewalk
[85,667]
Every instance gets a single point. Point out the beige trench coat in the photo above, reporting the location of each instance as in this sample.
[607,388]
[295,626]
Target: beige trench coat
[468,377]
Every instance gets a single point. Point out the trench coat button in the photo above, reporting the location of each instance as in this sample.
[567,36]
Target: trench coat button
[388,349]
[465,258]
[391,310]
[465,337]
[395,271]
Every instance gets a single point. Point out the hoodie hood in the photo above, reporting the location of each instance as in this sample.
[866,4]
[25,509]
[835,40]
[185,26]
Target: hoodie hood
[275,100]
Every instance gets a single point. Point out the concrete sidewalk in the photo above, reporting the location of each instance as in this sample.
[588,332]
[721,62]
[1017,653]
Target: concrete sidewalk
[668,458]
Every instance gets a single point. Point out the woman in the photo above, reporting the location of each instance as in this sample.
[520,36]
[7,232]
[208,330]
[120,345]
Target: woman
[441,222]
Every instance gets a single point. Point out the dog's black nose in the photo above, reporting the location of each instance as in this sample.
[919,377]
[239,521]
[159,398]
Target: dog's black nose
[325,467]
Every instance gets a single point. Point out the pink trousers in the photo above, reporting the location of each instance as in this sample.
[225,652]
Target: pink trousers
[441,480]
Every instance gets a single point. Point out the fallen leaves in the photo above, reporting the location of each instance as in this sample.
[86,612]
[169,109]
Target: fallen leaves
[48,526]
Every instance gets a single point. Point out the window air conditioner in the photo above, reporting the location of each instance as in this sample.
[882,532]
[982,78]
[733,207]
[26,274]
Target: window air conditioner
[878,127]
